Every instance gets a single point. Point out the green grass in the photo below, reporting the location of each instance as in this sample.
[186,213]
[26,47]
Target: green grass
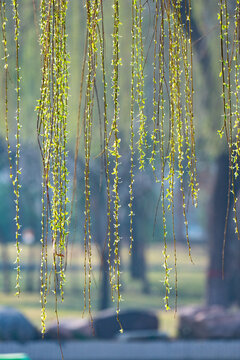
[191,286]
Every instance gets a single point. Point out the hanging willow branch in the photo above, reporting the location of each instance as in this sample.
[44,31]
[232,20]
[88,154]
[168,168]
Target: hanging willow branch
[92,8]
[230,72]
[116,62]
[106,147]
[16,169]
[173,137]
[16,184]
[138,75]
[52,133]
[172,140]
[96,43]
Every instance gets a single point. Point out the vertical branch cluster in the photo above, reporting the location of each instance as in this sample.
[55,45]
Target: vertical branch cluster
[93,9]
[230,71]
[106,139]
[95,51]
[138,76]
[137,100]
[16,183]
[173,135]
[173,138]
[15,170]
[116,62]
[52,138]
[132,112]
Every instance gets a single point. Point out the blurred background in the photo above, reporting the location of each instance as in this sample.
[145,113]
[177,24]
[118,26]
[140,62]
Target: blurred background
[200,283]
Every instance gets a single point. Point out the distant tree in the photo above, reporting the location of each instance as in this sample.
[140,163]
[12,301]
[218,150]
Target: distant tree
[207,22]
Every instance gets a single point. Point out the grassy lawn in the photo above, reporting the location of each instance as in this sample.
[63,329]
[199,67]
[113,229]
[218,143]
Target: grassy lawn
[191,286]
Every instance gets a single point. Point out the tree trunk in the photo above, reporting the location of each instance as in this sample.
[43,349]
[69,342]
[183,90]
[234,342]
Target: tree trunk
[137,264]
[104,296]
[222,287]
[100,235]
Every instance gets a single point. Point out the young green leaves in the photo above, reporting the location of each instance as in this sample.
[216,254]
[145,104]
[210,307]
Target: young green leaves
[52,137]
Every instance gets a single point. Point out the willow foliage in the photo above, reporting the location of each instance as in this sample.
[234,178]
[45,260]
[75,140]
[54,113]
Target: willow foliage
[166,141]
[173,137]
[230,71]
[15,170]
[52,135]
